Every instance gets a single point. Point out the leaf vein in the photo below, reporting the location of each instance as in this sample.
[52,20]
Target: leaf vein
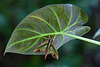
[28,30]
[56,17]
[32,45]
[61,41]
[77,22]
[73,23]
[44,21]
[70,17]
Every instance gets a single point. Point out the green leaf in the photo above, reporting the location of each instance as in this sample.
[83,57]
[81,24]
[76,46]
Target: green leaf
[54,20]
[96,34]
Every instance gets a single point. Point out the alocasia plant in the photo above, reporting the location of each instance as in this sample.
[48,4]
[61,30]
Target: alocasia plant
[60,22]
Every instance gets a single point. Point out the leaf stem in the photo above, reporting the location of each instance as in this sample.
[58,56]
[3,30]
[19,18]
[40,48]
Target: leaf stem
[84,39]
[57,33]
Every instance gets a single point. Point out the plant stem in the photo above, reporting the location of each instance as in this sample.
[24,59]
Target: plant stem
[84,39]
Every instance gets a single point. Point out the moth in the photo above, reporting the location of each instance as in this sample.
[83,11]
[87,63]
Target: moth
[47,46]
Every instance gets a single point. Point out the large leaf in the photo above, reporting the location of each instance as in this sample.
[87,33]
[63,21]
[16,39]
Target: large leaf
[97,34]
[53,20]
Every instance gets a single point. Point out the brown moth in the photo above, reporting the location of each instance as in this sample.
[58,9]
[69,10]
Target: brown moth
[48,46]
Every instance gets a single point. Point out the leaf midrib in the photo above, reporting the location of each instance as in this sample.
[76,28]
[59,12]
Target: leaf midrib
[57,33]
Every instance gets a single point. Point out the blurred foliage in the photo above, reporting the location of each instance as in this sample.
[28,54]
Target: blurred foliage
[75,53]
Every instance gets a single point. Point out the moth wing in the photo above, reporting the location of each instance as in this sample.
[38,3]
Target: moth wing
[41,47]
[54,51]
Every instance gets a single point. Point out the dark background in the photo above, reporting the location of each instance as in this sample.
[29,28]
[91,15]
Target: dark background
[75,53]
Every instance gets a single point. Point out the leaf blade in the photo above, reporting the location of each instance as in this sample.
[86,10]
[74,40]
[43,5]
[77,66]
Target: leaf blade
[46,22]
[56,17]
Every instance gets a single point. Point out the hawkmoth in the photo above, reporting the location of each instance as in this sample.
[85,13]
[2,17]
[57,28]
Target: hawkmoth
[49,47]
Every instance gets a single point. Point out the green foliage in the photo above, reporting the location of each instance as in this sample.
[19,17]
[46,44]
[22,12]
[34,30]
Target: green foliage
[54,20]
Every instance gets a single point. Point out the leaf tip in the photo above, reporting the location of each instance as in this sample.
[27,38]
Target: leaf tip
[96,34]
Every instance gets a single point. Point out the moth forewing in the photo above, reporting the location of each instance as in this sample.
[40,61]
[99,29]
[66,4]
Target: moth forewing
[41,47]
[54,51]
